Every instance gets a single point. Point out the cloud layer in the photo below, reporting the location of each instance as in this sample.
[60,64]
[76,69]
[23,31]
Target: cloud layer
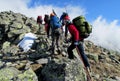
[104,33]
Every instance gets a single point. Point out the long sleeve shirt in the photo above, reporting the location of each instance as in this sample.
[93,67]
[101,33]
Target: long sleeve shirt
[74,32]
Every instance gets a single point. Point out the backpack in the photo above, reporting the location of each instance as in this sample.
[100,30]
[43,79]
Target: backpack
[55,22]
[39,19]
[46,18]
[83,26]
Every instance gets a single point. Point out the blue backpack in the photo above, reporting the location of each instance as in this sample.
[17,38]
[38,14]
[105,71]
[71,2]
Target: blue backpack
[55,22]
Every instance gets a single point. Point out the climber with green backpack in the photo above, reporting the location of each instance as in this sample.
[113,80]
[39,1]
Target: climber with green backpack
[77,38]
[79,30]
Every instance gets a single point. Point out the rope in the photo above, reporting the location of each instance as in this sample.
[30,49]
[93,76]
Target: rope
[89,78]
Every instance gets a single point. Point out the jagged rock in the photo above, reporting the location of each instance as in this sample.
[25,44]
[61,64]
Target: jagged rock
[2,64]
[9,49]
[42,61]
[5,45]
[93,57]
[64,70]
[14,24]
[12,74]
[8,73]
[110,79]
[28,75]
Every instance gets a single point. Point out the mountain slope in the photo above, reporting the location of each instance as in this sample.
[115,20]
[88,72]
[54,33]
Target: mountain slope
[105,64]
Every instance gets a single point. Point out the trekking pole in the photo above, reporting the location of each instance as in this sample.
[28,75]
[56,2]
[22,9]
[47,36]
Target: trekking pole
[89,78]
[54,12]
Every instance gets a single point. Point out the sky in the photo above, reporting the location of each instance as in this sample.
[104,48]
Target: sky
[104,15]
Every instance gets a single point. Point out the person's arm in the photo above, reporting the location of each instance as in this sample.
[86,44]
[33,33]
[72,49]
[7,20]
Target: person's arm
[66,31]
[74,32]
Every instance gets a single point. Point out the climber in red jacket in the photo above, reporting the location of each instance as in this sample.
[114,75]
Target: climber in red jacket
[77,41]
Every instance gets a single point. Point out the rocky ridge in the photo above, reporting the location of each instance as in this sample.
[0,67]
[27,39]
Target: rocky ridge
[38,65]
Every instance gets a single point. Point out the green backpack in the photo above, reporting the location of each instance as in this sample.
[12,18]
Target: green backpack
[83,26]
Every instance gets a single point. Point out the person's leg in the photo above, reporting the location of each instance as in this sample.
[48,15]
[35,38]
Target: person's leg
[53,42]
[70,52]
[58,34]
[83,55]
[48,30]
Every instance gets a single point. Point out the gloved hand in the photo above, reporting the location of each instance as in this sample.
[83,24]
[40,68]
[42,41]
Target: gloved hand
[76,43]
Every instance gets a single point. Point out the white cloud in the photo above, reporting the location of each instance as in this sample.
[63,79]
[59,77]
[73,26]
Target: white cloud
[21,7]
[104,33]
[15,5]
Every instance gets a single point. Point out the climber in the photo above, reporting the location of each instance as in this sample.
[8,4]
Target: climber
[47,24]
[76,40]
[41,26]
[56,32]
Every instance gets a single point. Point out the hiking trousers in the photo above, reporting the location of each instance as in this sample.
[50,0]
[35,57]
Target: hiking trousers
[56,33]
[81,50]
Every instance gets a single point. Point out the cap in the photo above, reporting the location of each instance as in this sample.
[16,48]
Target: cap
[67,18]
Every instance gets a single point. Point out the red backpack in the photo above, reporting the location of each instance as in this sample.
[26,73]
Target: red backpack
[39,19]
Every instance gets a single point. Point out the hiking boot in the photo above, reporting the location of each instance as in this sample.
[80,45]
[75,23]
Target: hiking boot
[71,56]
